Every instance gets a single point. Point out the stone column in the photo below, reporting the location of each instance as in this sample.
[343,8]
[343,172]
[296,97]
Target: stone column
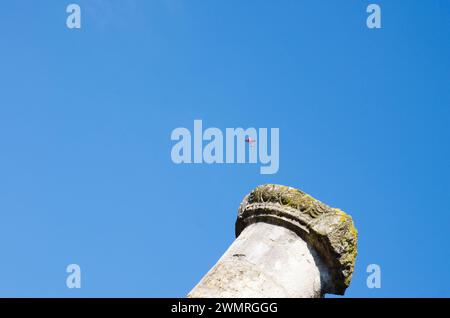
[288,244]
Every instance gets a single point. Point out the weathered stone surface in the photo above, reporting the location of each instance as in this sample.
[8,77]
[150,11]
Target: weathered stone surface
[265,261]
[329,230]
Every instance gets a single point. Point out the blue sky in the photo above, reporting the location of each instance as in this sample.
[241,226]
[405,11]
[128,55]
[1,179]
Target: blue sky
[86,116]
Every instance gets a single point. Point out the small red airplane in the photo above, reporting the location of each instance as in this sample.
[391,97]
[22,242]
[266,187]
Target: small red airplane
[250,140]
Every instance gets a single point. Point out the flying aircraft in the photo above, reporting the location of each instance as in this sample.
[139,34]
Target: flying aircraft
[250,141]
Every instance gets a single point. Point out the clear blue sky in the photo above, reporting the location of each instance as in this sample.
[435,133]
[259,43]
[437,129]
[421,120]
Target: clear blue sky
[86,115]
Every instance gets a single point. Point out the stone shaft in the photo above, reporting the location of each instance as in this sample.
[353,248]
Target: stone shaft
[265,261]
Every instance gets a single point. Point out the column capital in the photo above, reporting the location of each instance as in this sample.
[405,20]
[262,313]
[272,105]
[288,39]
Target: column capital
[328,230]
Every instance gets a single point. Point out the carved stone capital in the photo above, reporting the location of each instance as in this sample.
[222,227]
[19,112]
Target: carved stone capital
[329,231]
